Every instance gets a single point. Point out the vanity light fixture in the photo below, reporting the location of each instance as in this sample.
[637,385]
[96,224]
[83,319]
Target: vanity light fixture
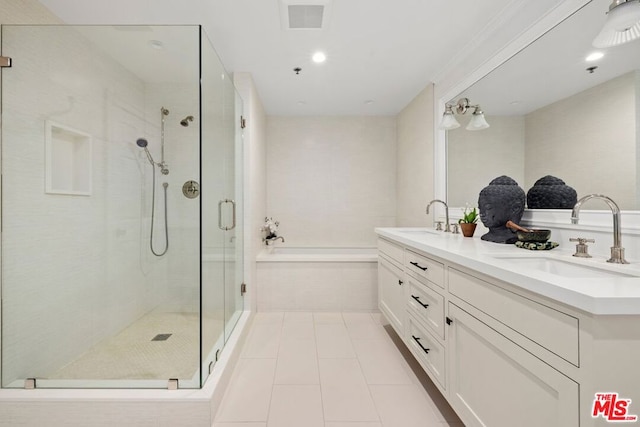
[477,122]
[449,121]
[622,24]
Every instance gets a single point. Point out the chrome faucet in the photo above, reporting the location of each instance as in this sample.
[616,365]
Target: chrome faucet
[447,227]
[617,251]
[272,239]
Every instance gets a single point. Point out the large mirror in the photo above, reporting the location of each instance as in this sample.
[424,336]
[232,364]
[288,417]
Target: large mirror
[551,113]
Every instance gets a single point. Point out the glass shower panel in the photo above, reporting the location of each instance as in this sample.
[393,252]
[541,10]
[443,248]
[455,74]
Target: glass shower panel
[94,157]
[233,248]
[214,204]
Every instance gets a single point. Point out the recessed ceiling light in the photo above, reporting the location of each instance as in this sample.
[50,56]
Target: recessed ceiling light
[156,44]
[319,57]
[369,102]
[302,103]
[594,56]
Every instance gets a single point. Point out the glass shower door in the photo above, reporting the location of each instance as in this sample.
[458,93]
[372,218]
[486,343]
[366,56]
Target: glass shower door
[221,206]
[233,247]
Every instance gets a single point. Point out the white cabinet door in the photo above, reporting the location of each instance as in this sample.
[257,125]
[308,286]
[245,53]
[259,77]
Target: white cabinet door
[495,383]
[391,294]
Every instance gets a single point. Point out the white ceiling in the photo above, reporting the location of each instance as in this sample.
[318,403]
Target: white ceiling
[554,66]
[385,51]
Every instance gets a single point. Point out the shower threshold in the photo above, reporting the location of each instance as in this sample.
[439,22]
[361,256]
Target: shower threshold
[122,406]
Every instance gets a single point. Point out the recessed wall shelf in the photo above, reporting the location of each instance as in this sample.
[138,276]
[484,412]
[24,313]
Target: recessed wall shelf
[68,160]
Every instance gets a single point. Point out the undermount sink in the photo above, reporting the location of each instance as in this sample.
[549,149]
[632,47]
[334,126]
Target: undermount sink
[562,268]
[420,232]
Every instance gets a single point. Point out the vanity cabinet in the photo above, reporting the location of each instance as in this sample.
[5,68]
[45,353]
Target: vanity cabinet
[494,382]
[391,284]
[500,357]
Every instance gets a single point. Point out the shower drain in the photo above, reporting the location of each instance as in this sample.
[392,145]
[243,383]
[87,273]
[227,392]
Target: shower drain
[161,337]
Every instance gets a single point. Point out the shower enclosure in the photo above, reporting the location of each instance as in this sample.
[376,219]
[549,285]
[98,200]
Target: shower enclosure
[122,256]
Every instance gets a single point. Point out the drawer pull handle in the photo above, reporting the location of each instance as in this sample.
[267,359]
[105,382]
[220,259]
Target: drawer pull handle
[400,282]
[426,350]
[419,266]
[420,302]
[449,321]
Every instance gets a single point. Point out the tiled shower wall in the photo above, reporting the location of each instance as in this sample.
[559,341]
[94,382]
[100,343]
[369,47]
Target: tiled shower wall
[331,180]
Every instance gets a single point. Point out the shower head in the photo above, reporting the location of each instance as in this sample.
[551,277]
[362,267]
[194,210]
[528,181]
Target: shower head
[142,143]
[185,122]
[164,111]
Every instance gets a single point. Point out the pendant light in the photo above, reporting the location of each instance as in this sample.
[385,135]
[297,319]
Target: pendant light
[622,24]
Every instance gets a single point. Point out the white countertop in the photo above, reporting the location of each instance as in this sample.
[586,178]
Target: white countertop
[605,295]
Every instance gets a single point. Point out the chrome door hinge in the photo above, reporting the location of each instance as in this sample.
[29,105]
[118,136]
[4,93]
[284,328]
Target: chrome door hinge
[243,122]
[243,289]
[5,61]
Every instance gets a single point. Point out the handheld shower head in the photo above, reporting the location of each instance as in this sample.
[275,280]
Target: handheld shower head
[185,122]
[142,143]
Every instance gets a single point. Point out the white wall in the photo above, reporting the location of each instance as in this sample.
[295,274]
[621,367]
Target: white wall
[414,186]
[573,131]
[474,158]
[331,180]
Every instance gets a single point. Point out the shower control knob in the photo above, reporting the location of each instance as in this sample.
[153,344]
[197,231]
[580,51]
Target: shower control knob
[191,189]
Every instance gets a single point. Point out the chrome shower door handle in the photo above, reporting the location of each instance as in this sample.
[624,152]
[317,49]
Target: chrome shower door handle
[233,224]
[220,215]
[233,215]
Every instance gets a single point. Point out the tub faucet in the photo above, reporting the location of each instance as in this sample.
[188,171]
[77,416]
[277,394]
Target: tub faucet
[617,251]
[447,226]
[272,239]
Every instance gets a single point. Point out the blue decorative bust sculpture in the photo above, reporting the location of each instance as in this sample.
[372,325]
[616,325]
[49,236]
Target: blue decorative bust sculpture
[501,201]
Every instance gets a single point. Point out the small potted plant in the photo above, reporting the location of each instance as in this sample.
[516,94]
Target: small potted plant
[468,222]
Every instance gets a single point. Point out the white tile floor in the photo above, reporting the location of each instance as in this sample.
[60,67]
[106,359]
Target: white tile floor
[329,370]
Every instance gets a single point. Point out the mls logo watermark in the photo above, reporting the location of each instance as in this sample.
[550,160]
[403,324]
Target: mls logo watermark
[612,408]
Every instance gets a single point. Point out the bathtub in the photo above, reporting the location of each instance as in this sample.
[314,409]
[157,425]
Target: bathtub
[317,279]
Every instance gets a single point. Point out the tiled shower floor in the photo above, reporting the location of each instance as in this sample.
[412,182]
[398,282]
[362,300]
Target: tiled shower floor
[132,354]
[329,370]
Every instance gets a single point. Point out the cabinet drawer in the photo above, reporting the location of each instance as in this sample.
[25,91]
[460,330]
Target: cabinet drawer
[547,327]
[427,305]
[427,350]
[392,250]
[425,267]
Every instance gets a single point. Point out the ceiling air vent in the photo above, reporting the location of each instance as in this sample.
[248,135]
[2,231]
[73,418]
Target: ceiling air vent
[302,16]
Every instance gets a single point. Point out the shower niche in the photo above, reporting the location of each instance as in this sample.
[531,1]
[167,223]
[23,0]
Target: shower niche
[67,160]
